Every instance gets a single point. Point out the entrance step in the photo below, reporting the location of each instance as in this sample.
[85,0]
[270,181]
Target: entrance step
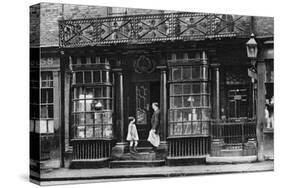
[140,149]
[231,152]
[138,156]
[143,158]
[136,163]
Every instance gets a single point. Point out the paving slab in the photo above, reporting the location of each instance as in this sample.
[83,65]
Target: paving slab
[58,176]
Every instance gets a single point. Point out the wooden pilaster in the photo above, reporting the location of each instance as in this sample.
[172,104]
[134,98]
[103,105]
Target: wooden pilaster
[261,70]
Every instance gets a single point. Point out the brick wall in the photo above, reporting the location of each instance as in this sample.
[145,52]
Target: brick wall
[263,26]
[34,25]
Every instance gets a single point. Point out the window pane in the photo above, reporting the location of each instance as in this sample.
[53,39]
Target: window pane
[81,132]
[50,126]
[97,92]
[96,76]
[79,77]
[197,101]
[177,89]
[79,106]
[89,119]
[104,76]
[205,126]
[205,116]
[50,95]
[178,129]
[88,77]
[187,88]
[178,115]
[98,118]
[43,96]
[196,88]
[89,132]
[107,131]
[186,73]
[98,131]
[177,102]
[81,119]
[176,73]
[107,117]
[196,127]
[195,72]
[46,76]
[187,128]
[185,115]
[89,104]
[43,126]
[89,93]
[50,111]
[43,111]
[186,101]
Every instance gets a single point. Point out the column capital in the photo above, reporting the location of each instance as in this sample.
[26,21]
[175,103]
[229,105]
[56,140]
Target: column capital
[118,70]
[215,65]
[162,67]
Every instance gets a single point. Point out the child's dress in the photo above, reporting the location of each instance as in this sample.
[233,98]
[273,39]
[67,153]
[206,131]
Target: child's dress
[132,132]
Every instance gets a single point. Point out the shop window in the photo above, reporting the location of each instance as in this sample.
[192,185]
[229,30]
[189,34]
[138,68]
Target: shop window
[92,103]
[189,111]
[42,104]
[269,102]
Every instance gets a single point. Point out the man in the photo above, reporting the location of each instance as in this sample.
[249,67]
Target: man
[155,125]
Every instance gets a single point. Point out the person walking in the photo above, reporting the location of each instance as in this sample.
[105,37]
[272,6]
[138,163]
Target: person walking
[154,137]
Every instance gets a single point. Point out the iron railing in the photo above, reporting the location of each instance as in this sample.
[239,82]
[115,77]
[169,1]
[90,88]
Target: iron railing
[151,28]
[233,132]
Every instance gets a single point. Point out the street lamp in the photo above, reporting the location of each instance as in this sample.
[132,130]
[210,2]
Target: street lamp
[252,49]
[252,52]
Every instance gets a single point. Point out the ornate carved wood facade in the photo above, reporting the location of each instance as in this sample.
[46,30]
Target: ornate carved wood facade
[151,28]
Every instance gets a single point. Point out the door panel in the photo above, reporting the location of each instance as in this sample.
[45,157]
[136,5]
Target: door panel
[237,102]
[142,110]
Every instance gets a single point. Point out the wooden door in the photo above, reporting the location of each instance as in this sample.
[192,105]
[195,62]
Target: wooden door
[142,111]
[237,102]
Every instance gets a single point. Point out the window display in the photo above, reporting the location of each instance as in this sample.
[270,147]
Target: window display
[92,99]
[189,110]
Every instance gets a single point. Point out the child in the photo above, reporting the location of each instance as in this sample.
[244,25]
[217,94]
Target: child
[132,135]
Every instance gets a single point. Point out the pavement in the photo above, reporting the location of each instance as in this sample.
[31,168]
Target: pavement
[66,176]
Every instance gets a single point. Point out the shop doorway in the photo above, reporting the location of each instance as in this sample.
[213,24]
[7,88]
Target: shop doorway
[143,95]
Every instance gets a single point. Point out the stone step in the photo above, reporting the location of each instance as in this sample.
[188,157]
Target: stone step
[138,156]
[140,149]
[136,163]
[231,152]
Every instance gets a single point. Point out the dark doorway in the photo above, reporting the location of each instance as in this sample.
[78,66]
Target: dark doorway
[144,94]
